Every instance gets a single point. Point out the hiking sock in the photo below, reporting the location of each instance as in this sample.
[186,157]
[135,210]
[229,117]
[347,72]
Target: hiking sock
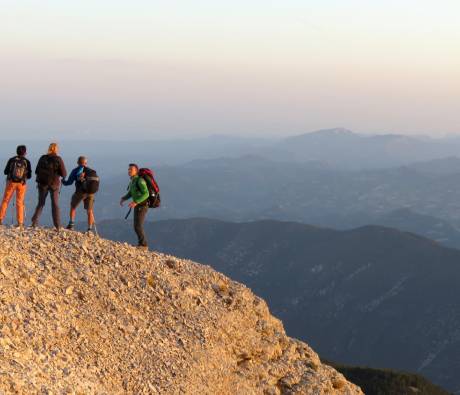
[92,229]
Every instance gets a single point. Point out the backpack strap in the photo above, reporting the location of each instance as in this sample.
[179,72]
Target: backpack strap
[137,183]
[138,180]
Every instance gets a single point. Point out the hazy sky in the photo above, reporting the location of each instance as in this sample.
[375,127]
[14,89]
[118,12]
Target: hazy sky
[113,68]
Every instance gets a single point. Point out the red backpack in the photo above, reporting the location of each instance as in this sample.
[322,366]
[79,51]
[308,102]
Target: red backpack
[154,199]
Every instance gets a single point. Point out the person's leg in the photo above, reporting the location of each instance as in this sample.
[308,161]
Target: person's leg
[90,218]
[42,194]
[55,208]
[73,213]
[89,207]
[9,190]
[21,190]
[139,217]
[74,202]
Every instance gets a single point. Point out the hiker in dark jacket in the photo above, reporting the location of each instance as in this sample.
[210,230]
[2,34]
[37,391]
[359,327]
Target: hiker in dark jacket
[18,170]
[77,176]
[50,169]
[139,193]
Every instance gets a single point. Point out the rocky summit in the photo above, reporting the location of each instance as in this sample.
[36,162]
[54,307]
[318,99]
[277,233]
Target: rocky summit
[83,315]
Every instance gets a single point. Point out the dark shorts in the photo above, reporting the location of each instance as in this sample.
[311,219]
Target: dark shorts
[88,200]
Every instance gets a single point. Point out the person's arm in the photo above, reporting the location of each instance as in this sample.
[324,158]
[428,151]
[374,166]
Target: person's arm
[144,191]
[127,196]
[7,168]
[42,158]
[29,169]
[62,168]
[72,178]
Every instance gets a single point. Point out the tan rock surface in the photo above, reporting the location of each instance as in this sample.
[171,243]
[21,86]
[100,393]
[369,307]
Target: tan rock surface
[83,315]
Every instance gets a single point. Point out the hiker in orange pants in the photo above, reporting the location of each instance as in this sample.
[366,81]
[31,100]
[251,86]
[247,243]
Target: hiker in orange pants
[18,170]
[11,188]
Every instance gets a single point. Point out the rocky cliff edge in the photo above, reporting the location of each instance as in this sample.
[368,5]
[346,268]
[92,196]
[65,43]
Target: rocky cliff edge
[84,315]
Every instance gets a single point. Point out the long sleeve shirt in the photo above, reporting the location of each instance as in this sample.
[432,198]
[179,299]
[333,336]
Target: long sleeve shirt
[137,190]
[74,176]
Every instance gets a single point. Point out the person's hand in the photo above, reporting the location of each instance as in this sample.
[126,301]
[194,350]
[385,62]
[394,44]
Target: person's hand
[132,204]
[121,202]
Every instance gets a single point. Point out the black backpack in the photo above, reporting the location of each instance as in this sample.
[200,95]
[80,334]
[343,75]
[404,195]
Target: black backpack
[90,183]
[47,169]
[18,170]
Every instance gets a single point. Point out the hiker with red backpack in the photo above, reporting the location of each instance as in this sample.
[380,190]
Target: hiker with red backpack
[50,169]
[18,170]
[86,186]
[144,192]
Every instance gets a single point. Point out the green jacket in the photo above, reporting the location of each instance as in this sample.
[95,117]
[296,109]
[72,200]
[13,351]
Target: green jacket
[137,190]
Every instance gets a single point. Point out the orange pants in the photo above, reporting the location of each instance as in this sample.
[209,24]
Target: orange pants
[20,190]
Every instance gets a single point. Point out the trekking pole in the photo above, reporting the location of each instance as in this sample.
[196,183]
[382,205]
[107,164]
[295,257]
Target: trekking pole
[129,212]
[94,224]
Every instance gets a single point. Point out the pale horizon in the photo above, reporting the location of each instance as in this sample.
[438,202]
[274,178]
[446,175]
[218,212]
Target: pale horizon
[111,69]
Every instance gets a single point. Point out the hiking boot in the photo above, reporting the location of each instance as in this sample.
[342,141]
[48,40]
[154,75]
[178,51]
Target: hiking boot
[34,225]
[70,226]
[1,221]
[20,226]
[142,247]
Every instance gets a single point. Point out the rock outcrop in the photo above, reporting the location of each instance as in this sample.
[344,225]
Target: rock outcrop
[83,315]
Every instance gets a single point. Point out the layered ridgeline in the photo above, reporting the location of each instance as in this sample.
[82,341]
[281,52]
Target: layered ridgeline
[372,296]
[79,314]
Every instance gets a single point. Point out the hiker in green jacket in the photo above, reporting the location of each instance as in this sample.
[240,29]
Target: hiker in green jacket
[139,193]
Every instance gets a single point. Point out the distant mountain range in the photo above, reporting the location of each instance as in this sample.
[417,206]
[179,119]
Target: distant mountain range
[423,197]
[345,149]
[338,147]
[253,188]
[371,296]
